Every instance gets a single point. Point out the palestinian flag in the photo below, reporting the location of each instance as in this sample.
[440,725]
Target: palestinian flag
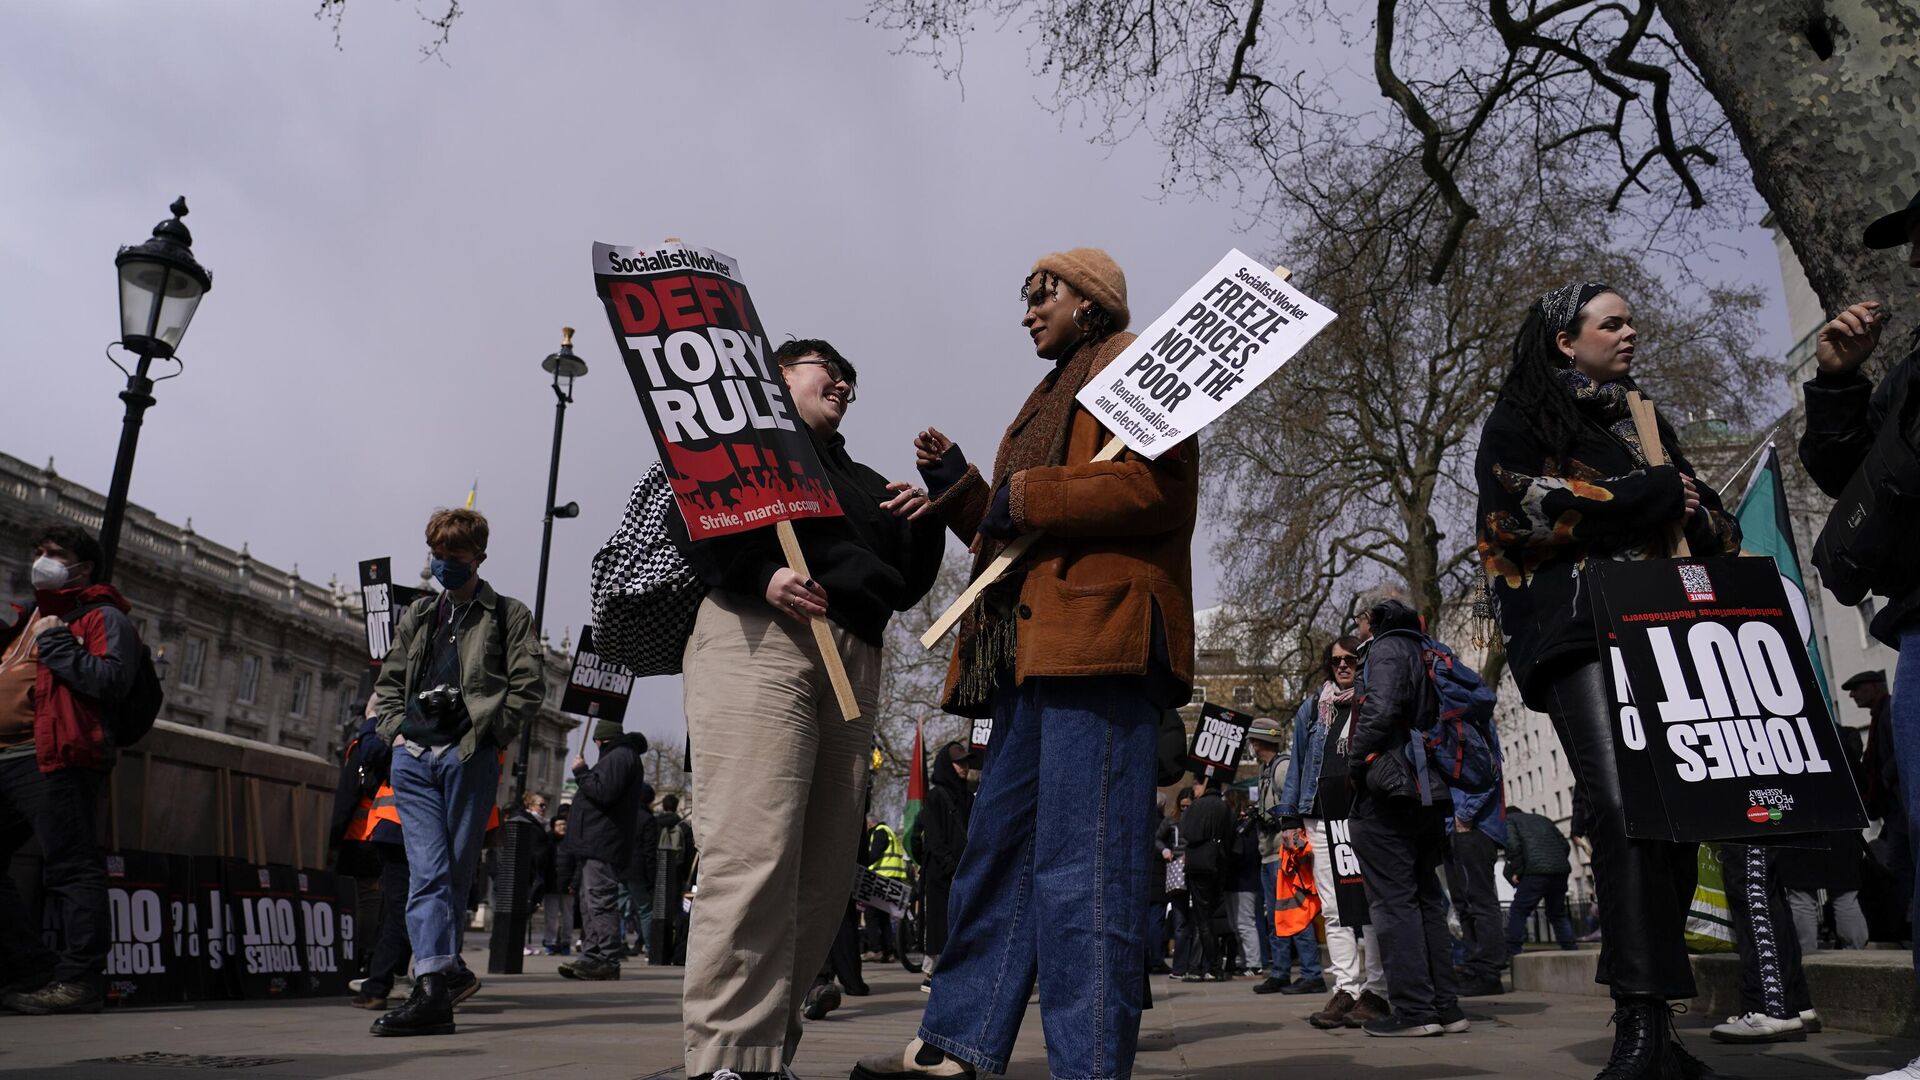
[916,786]
[1766,529]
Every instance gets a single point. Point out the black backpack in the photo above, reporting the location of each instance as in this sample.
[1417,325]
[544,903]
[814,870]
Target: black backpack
[129,719]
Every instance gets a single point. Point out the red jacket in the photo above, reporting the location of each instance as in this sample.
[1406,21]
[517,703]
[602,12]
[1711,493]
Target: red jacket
[82,665]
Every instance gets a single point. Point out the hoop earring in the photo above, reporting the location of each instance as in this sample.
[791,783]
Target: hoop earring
[1082,327]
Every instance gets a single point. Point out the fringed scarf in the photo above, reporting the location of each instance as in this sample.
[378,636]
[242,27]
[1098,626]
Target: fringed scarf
[1606,403]
[1331,697]
[1037,437]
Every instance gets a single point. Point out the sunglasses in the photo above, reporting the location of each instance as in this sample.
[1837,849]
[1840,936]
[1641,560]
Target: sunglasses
[835,371]
[1346,661]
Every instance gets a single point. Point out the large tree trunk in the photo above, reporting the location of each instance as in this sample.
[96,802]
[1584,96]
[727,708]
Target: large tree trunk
[1833,141]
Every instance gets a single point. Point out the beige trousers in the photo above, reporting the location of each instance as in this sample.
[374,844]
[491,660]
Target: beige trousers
[779,795]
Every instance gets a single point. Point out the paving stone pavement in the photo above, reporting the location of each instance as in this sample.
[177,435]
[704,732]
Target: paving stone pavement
[539,1025]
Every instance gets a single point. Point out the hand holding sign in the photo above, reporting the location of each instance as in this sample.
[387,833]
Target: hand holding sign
[1231,331]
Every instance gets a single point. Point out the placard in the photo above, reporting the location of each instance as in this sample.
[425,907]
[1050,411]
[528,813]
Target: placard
[1235,327]
[1340,868]
[596,687]
[1721,732]
[1217,740]
[151,918]
[381,602]
[736,454]
[888,894]
[980,734]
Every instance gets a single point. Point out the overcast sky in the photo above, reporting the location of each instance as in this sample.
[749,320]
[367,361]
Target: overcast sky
[395,244]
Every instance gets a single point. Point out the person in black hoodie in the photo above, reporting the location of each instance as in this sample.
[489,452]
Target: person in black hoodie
[1208,828]
[1563,480]
[943,839]
[605,807]
[636,886]
[673,869]
[781,775]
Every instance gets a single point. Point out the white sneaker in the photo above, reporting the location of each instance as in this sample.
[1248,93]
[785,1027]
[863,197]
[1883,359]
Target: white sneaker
[1810,1020]
[1910,1071]
[355,984]
[1759,1028]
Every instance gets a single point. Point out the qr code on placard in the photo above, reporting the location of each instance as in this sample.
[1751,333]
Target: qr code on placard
[1696,582]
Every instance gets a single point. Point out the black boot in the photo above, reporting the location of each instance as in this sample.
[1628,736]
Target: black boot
[1682,1062]
[1642,1028]
[428,1011]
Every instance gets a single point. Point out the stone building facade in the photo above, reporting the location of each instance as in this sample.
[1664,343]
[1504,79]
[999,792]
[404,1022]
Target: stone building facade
[250,649]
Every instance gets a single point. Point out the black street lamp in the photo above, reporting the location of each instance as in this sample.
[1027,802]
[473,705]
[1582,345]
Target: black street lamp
[160,288]
[504,955]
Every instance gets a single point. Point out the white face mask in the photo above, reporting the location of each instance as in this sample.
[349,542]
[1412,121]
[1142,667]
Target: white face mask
[50,573]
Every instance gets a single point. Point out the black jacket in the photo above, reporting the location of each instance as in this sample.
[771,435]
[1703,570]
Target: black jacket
[646,841]
[1540,521]
[1393,692]
[609,801]
[1534,846]
[1844,415]
[870,562]
[667,822]
[1207,826]
[943,821]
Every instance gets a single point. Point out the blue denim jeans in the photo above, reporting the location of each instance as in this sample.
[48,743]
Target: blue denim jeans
[1906,752]
[1053,884]
[443,804]
[1282,951]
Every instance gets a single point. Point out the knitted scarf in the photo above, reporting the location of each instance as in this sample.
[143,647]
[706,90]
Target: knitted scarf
[1037,437]
[1607,403]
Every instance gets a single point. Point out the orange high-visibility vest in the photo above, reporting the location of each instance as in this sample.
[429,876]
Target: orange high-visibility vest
[371,812]
[1296,901]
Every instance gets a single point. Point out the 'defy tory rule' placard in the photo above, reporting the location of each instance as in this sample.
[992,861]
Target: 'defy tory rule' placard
[735,454]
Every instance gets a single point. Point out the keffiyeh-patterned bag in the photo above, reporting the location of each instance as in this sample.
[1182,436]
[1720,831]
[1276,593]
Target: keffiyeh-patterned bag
[644,593]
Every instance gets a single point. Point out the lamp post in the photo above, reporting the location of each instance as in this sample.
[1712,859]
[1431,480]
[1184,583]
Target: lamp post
[160,288]
[504,955]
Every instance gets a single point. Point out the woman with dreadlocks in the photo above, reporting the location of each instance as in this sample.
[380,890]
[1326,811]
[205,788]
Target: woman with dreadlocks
[1075,655]
[1563,480]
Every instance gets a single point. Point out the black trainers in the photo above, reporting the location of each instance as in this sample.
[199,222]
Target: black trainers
[1395,1027]
[1483,987]
[1307,986]
[1453,1021]
[589,971]
[821,1000]
[1272,984]
[56,997]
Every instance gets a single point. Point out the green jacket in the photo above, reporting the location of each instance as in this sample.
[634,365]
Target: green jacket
[1535,846]
[502,692]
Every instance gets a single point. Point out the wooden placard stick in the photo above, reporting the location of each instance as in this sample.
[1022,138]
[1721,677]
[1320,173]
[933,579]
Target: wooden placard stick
[822,633]
[1647,426]
[1016,548]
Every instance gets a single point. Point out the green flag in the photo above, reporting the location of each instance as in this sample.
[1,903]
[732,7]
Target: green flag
[1766,529]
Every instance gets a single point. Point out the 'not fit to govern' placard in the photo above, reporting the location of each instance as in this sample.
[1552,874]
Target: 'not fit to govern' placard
[1231,330]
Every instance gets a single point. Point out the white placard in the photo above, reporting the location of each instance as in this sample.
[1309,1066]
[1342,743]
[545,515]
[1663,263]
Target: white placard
[1225,336]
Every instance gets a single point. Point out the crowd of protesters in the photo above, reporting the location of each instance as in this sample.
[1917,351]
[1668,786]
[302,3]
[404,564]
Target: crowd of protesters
[1342,868]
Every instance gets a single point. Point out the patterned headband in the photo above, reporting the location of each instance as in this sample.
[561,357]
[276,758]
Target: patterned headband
[1560,306]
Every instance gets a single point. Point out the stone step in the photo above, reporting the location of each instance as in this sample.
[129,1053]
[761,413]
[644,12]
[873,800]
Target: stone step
[1869,990]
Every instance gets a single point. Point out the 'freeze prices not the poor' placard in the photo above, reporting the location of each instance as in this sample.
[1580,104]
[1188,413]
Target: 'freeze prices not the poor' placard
[735,453]
[1225,336]
[1721,732]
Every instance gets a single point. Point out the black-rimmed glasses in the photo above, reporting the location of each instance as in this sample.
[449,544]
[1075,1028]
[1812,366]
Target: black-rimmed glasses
[835,371]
